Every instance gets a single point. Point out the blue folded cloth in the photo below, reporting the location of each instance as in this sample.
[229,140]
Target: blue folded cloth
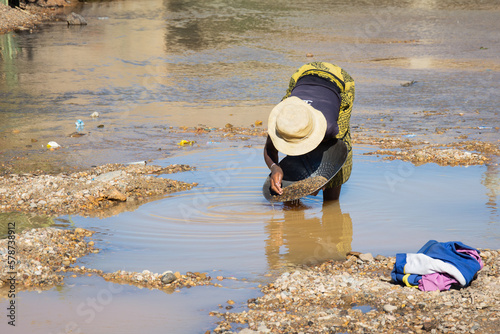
[452,258]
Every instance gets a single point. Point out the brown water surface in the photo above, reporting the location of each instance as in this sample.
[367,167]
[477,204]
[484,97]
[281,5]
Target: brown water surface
[146,66]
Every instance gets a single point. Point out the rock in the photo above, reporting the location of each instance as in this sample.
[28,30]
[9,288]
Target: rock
[106,177]
[408,83]
[79,230]
[263,329]
[75,19]
[114,194]
[76,134]
[168,277]
[429,325]
[248,331]
[366,257]
[390,308]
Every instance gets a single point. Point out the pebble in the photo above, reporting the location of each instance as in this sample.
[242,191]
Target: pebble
[392,308]
[168,278]
[366,257]
[467,153]
[89,192]
[52,248]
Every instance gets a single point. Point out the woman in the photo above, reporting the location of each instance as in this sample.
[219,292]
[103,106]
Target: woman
[316,108]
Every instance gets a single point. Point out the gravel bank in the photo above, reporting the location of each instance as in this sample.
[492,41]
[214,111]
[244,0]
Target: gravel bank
[357,296]
[87,192]
[35,257]
[39,259]
[32,15]
[353,296]
[17,19]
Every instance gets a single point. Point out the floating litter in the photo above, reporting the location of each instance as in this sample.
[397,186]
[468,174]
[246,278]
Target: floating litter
[53,144]
[185,142]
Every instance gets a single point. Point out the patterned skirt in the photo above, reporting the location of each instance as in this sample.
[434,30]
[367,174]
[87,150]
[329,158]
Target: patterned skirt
[345,83]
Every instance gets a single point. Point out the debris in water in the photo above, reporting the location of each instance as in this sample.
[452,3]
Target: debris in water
[186,142]
[408,83]
[53,144]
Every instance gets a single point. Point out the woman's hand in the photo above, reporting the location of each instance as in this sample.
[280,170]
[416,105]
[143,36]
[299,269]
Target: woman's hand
[276,177]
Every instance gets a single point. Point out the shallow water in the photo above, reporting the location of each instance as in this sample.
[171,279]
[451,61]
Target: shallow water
[225,227]
[173,63]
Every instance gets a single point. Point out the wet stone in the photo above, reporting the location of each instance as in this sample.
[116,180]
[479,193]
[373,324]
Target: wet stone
[168,278]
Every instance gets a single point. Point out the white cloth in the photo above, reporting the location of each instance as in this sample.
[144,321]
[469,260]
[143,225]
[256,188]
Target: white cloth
[422,264]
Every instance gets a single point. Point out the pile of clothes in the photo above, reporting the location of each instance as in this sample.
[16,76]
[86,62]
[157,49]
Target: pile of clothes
[438,266]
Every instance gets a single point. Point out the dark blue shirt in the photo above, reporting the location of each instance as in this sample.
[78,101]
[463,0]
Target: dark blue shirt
[324,96]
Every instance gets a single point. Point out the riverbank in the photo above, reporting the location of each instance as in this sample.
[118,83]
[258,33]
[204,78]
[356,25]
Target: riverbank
[17,19]
[357,296]
[154,73]
[107,189]
[96,192]
[45,256]
[31,16]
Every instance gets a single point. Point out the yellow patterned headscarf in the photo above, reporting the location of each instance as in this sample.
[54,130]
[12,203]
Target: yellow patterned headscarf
[345,83]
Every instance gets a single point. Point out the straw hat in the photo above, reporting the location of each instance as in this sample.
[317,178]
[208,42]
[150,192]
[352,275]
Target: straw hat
[295,127]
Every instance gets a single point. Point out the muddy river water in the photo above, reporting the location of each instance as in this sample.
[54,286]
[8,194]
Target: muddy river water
[145,66]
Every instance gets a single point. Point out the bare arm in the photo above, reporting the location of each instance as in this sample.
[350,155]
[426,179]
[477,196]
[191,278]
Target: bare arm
[271,158]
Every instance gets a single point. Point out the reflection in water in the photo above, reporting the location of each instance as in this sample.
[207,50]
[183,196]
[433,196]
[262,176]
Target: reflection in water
[25,221]
[197,25]
[8,51]
[179,31]
[302,239]
[491,180]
